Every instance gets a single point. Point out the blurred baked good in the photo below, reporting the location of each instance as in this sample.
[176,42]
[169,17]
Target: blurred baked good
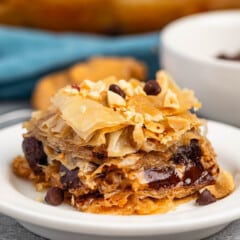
[105,16]
[94,69]
[46,87]
[99,67]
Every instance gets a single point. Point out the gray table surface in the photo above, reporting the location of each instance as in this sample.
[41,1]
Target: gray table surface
[11,230]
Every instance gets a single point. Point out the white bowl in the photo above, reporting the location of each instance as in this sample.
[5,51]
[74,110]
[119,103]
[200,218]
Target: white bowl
[189,49]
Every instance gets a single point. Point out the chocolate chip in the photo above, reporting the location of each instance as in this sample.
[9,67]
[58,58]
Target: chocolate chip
[115,88]
[69,178]
[180,156]
[234,57]
[195,151]
[206,197]
[75,86]
[152,88]
[34,153]
[54,196]
[192,173]
[162,177]
[206,179]
[188,153]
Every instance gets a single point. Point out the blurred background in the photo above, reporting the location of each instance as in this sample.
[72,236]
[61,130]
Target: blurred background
[42,37]
[46,44]
[111,17]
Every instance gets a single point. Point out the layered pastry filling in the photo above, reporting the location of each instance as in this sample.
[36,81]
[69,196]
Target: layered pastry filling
[122,147]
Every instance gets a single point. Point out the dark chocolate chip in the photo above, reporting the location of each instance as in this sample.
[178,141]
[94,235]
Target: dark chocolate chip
[234,57]
[75,86]
[69,178]
[34,153]
[54,196]
[188,153]
[152,88]
[192,173]
[206,197]
[206,179]
[162,177]
[115,88]
[195,151]
[180,156]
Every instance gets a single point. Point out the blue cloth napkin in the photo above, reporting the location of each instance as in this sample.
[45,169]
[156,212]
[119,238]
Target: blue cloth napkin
[26,55]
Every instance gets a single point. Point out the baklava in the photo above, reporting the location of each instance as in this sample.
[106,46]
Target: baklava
[122,147]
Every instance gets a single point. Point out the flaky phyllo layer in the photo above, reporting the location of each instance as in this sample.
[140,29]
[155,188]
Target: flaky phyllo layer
[121,147]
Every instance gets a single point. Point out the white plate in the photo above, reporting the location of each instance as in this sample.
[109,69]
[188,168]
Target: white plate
[18,200]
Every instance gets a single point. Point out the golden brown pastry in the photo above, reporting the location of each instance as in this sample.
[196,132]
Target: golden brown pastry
[122,147]
[95,69]
[105,16]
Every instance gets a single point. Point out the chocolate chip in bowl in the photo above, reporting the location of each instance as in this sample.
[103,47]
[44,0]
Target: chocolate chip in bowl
[230,57]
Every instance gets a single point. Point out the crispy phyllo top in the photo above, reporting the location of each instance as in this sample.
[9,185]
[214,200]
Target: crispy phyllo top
[124,116]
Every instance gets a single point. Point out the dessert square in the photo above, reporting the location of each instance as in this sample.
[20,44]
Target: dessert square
[122,147]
